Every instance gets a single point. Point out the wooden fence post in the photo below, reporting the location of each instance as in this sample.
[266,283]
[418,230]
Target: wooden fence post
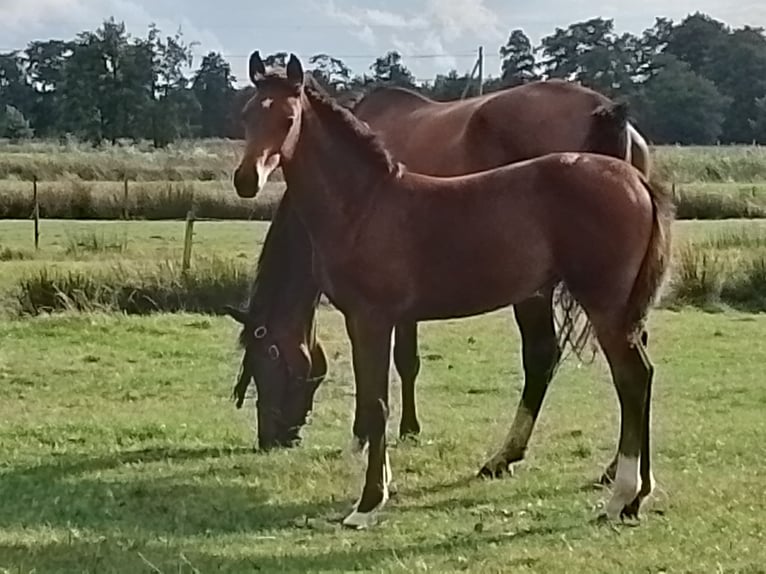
[36,211]
[125,214]
[188,236]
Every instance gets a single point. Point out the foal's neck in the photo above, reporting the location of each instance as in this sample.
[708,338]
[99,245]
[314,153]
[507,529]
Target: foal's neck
[334,168]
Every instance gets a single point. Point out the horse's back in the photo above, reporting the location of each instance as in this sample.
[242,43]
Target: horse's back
[491,130]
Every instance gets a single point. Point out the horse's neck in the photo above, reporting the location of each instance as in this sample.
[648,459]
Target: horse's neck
[289,300]
[330,179]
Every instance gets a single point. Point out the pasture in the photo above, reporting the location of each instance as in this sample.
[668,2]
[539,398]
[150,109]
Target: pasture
[121,451]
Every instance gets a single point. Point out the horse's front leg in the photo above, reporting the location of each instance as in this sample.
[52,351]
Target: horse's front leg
[371,351]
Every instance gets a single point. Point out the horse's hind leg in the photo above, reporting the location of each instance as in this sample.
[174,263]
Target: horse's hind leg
[541,354]
[407,364]
[611,470]
[632,373]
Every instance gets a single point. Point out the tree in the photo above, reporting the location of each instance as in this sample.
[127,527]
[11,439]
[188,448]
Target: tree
[14,88]
[13,124]
[331,73]
[592,54]
[758,123]
[278,60]
[174,104]
[447,88]
[680,106]
[518,65]
[739,71]
[389,70]
[696,41]
[213,86]
[46,62]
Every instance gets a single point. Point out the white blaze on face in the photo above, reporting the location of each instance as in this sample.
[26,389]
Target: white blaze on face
[266,103]
[264,165]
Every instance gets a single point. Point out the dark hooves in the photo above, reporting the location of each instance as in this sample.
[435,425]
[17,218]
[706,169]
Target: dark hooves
[630,512]
[496,472]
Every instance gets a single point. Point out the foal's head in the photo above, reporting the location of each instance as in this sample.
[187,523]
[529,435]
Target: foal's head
[272,119]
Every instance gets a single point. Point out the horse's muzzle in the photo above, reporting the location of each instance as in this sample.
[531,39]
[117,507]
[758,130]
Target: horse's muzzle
[246,182]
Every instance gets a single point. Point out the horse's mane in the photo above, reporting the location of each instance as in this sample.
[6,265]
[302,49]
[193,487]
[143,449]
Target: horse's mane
[353,130]
[274,255]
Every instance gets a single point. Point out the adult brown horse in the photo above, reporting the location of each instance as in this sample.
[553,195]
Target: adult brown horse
[393,246]
[476,134]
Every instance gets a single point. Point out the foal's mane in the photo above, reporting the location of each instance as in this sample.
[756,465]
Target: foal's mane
[348,126]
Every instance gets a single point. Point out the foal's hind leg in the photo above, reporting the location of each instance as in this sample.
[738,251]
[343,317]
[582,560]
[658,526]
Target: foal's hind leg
[541,354]
[632,373]
[407,364]
[611,470]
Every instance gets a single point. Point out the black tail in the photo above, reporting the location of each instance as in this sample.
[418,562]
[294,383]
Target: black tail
[609,130]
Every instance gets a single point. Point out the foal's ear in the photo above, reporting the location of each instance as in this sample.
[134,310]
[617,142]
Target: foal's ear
[237,314]
[295,71]
[257,67]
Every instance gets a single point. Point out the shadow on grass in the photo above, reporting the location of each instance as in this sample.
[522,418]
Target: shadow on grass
[367,554]
[215,500]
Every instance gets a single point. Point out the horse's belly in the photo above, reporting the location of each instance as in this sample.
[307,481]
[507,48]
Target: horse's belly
[473,292]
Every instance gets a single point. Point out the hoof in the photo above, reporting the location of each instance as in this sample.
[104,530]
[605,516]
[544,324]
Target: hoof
[630,511]
[409,436]
[409,431]
[496,468]
[361,520]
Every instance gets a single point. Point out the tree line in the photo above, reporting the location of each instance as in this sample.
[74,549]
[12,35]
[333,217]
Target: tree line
[697,81]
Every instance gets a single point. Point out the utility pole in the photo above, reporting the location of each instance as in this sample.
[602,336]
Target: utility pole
[480,64]
[470,80]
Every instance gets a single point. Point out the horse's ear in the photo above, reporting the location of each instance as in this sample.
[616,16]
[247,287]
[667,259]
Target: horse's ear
[237,314]
[257,67]
[295,71]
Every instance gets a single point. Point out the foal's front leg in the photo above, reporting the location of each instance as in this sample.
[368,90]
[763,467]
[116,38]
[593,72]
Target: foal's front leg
[371,350]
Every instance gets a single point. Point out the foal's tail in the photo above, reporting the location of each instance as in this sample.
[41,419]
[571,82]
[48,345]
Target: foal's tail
[656,260]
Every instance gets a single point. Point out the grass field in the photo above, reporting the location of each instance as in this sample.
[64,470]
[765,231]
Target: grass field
[214,159]
[120,452]
[722,251]
[77,181]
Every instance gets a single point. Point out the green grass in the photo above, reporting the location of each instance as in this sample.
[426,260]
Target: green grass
[214,159]
[696,164]
[158,200]
[80,182]
[121,452]
[203,160]
[715,263]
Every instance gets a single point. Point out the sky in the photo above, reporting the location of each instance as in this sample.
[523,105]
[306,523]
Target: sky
[434,36]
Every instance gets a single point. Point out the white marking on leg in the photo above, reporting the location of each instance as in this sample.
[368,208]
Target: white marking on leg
[362,520]
[626,486]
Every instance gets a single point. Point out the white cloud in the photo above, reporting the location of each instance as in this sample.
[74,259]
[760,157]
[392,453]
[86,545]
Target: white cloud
[366,35]
[430,44]
[363,21]
[73,16]
[34,13]
[457,18]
